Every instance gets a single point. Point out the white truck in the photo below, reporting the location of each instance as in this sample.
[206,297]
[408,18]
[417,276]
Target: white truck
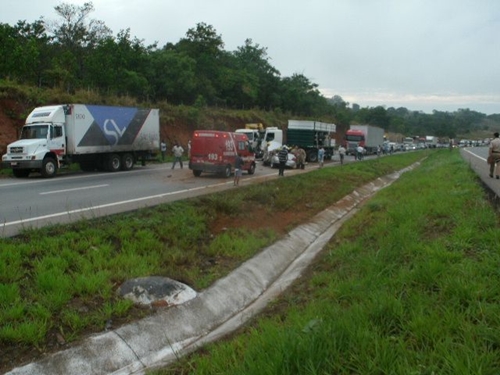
[97,137]
[367,136]
[260,138]
[431,141]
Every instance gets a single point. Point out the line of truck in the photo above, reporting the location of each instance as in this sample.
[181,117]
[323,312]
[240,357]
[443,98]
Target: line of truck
[111,138]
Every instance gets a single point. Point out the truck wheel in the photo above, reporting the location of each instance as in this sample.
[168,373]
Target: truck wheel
[197,173]
[227,171]
[251,170]
[49,167]
[21,173]
[127,162]
[312,156]
[113,163]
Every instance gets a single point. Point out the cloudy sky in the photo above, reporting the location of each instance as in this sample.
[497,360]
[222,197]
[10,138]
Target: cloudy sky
[420,54]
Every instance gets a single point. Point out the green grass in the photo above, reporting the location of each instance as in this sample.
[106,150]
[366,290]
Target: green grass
[410,285]
[66,282]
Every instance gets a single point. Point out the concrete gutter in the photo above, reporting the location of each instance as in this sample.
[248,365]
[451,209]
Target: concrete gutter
[215,312]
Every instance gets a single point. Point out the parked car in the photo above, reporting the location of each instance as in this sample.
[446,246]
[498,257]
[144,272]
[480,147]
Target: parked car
[291,162]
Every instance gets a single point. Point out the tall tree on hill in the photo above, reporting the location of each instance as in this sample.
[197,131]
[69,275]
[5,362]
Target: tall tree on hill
[76,36]
[260,80]
[173,76]
[301,97]
[121,65]
[206,47]
[25,51]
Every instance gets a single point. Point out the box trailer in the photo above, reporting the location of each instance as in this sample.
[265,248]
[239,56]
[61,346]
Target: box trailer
[367,136]
[97,137]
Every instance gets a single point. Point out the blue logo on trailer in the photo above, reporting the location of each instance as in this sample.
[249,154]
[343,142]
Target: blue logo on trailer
[112,121]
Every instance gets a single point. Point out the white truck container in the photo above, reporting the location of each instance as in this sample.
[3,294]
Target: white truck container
[97,137]
[367,136]
[431,141]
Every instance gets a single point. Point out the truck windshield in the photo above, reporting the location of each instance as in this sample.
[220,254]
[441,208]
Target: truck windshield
[354,138]
[34,132]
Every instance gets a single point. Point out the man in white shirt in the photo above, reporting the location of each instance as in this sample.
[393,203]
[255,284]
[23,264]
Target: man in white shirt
[177,150]
[360,151]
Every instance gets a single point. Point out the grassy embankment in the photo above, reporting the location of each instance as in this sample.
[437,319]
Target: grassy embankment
[55,288]
[410,285]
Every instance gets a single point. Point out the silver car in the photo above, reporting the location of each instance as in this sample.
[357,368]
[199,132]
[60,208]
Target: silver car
[290,163]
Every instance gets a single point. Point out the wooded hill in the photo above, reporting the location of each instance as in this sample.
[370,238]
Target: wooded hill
[195,82]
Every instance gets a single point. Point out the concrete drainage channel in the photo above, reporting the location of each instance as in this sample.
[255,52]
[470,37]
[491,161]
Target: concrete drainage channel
[229,303]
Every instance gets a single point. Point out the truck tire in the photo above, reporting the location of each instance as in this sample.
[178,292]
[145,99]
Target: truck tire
[113,163]
[128,161]
[196,172]
[251,170]
[312,156]
[227,171]
[21,173]
[49,168]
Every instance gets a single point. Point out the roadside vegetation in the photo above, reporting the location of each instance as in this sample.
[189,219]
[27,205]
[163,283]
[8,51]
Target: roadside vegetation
[58,284]
[410,285]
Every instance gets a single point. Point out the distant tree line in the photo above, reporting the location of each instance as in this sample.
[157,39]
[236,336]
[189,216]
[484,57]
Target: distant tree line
[76,52]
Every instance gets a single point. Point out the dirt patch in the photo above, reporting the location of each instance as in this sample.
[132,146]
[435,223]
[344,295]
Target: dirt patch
[9,123]
[259,217]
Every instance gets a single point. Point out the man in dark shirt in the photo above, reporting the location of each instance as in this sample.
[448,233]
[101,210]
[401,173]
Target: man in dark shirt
[282,157]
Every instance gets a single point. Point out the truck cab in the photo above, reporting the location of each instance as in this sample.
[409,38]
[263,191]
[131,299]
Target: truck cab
[41,146]
[353,139]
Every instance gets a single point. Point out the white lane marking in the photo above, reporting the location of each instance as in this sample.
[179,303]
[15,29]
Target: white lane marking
[22,221]
[75,189]
[476,155]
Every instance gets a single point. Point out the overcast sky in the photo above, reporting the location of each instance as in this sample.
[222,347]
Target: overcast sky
[420,54]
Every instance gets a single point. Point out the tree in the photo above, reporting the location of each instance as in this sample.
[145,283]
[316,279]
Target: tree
[301,97]
[77,35]
[173,77]
[26,46]
[204,46]
[259,79]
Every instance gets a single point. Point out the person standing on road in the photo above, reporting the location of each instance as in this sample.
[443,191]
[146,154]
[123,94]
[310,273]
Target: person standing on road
[321,156]
[359,152]
[238,169]
[177,151]
[282,157]
[341,154]
[189,149]
[494,155]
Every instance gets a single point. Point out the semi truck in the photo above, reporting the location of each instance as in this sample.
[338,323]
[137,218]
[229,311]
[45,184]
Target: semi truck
[367,136]
[260,136]
[96,137]
[311,136]
[215,151]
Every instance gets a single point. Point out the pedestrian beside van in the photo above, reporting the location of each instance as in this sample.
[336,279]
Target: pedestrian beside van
[215,152]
